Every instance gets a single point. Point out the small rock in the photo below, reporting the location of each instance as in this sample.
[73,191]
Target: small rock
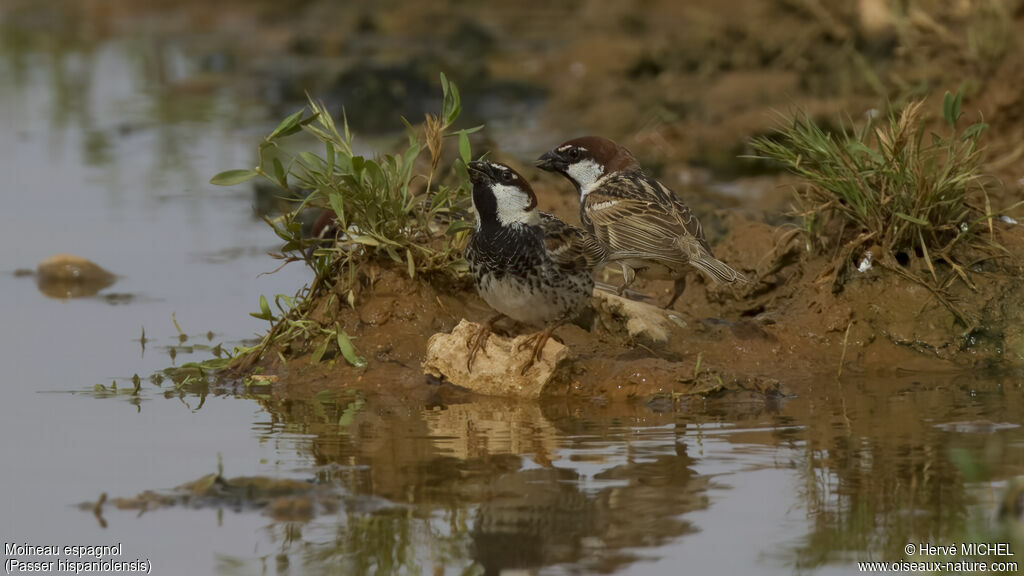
[68,276]
[497,364]
[640,321]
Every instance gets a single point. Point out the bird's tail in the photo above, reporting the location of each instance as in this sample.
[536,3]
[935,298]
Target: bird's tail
[718,271]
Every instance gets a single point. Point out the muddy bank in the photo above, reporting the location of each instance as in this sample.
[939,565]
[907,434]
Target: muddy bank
[795,321]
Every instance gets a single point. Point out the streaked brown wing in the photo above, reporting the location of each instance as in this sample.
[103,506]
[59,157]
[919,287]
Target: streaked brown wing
[637,217]
[569,246]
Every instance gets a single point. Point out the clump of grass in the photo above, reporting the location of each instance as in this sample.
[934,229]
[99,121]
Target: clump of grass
[398,209]
[894,183]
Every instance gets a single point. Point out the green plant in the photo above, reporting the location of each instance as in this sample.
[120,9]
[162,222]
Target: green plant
[894,184]
[396,208]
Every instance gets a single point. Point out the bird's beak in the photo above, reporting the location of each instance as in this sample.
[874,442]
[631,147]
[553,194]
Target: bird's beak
[478,172]
[552,162]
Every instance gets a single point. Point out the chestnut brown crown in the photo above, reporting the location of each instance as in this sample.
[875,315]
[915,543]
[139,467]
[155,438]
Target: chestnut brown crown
[586,159]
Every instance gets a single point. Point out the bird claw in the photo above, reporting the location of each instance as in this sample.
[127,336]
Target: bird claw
[677,290]
[538,341]
[526,365]
[478,341]
[528,341]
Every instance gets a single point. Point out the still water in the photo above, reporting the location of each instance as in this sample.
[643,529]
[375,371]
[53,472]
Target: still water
[106,151]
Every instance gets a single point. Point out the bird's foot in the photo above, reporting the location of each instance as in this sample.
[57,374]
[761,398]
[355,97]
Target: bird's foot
[538,341]
[678,288]
[478,341]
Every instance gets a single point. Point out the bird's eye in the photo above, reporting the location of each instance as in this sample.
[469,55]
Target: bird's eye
[574,154]
[508,176]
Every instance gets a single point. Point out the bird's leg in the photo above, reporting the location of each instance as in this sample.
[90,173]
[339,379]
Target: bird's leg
[628,276]
[478,340]
[538,340]
[680,285]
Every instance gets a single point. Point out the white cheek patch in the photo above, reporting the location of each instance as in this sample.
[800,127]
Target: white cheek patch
[585,173]
[512,205]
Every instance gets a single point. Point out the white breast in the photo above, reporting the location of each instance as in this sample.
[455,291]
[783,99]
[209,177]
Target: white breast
[514,298]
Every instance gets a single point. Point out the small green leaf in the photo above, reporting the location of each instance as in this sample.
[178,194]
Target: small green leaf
[409,131]
[338,205]
[313,162]
[279,173]
[318,354]
[343,164]
[462,173]
[974,131]
[464,151]
[232,177]
[348,350]
[913,219]
[331,156]
[289,125]
[454,108]
[264,313]
[951,107]
[364,240]
[409,162]
[458,226]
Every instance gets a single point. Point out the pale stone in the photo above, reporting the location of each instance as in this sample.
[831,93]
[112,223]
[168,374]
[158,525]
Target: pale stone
[497,364]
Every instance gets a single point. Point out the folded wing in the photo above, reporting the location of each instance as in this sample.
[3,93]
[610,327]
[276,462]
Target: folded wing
[569,246]
[636,217]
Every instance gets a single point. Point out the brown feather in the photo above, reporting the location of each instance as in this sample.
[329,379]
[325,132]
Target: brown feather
[636,217]
[571,247]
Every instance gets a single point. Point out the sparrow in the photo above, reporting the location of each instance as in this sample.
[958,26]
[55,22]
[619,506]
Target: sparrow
[642,224]
[527,265]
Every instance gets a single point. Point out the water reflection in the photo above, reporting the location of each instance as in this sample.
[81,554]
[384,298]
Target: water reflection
[880,470]
[492,484]
[488,485]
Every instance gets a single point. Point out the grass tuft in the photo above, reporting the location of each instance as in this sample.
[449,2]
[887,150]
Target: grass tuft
[894,184]
[395,208]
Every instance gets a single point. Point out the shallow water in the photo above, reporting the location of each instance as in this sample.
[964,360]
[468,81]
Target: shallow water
[107,149]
